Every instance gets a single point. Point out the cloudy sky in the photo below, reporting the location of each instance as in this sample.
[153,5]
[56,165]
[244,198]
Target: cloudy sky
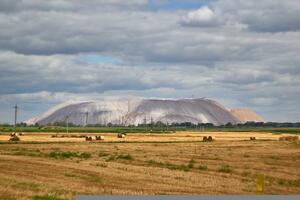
[241,53]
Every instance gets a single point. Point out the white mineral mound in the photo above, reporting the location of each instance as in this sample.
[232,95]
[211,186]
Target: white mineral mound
[246,115]
[136,112]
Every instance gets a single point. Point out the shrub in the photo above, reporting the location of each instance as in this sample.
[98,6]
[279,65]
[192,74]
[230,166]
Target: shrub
[27,152]
[101,165]
[153,162]
[183,167]
[294,182]
[225,169]
[121,156]
[45,197]
[191,163]
[68,154]
[62,154]
[125,157]
[281,182]
[85,155]
[102,154]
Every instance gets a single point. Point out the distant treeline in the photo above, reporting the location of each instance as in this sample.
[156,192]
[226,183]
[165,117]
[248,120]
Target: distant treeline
[160,124]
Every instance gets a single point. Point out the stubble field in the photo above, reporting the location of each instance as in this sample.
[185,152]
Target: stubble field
[62,166]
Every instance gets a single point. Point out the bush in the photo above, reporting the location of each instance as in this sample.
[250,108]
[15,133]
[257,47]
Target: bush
[85,155]
[103,154]
[182,167]
[225,169]
[68,154]
[295,182]
[45,197]
[101,165]
[191,163]
[125,157]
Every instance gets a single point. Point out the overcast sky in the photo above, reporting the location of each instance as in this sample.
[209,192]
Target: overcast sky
[242,53]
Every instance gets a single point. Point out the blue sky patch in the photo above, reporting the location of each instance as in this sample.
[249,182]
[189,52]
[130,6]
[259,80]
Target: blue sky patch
[99,59]
[178,4]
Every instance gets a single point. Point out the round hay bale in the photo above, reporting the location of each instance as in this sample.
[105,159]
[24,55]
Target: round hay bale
[14,139]
[121,135]
[88,138]
[204,139]
[210,139]
[252,138]
[100,137]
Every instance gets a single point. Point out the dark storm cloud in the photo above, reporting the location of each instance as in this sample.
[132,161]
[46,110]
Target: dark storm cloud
[244,53]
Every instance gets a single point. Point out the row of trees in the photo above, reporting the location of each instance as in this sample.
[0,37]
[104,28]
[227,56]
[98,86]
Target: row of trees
[175,125]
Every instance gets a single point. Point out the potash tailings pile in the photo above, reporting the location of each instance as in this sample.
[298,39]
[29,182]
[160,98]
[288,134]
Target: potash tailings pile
[137,111]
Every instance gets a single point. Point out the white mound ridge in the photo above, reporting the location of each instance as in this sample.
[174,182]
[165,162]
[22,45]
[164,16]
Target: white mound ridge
[136,112]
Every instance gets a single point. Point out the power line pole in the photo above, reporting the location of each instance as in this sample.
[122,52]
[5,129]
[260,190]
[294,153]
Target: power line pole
[16,114]
[86,118]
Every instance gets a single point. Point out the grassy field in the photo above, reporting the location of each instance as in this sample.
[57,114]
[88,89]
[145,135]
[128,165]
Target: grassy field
[145,164]
[58,129]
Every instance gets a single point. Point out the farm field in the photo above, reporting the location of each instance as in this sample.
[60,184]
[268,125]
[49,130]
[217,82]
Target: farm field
[183,136]
[60,166]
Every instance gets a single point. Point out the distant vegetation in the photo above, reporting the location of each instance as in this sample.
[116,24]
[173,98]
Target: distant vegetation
[68,154]
[45,197]
[159,127]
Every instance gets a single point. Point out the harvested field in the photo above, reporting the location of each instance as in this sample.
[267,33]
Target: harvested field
[141,165]
[136,137]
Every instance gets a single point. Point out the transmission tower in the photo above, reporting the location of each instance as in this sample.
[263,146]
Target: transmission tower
[16,115]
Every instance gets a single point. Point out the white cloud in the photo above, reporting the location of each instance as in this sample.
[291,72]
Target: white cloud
[236,51]
[204,16]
